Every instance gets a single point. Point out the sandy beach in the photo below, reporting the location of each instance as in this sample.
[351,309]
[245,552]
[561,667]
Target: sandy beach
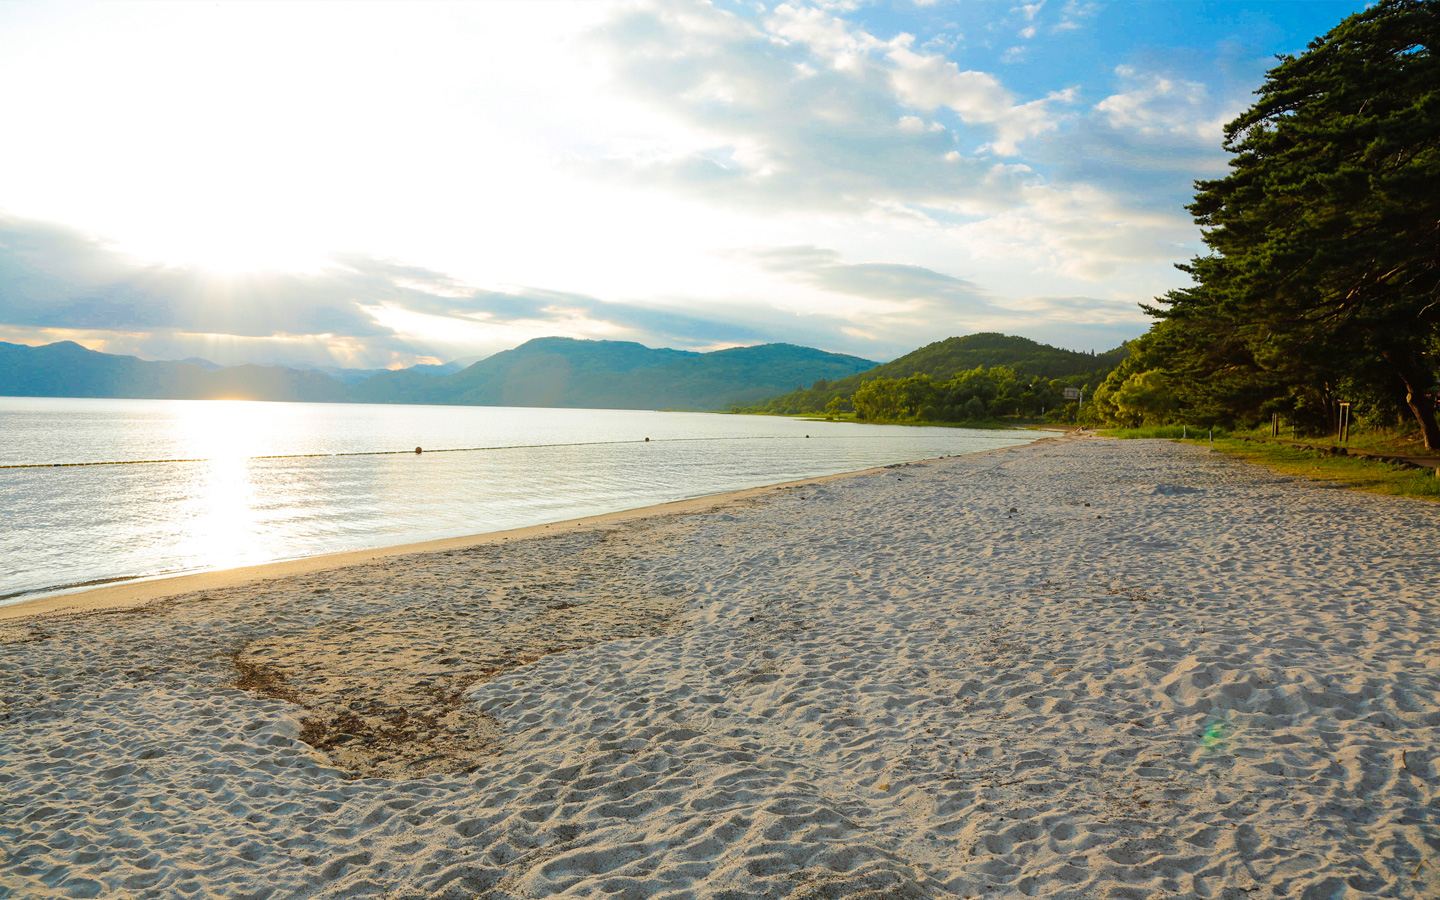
[1075,669]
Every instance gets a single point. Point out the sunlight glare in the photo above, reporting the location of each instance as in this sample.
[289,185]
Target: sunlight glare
[224,522]
[222,532]
[233,430]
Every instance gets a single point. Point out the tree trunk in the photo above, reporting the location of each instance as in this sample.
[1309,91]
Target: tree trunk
[1422,404]
[1332,411]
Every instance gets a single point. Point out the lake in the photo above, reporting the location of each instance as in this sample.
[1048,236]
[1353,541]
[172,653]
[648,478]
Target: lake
[190,485]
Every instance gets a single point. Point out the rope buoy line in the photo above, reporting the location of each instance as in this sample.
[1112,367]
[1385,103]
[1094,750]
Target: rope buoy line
[145,462]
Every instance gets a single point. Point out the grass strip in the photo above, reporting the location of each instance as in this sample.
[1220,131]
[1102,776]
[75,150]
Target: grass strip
[1349,471]
[1352,472]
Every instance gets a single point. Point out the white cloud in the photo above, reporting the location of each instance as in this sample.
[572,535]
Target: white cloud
[1080,232]
[1074,14]
[371,312]
[1157,104]
[754,134]
[928,81]
[932,82]
[895,288]
[855,142]
[826,35]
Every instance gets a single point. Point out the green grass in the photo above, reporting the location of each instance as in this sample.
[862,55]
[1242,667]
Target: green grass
[1352,472]
[1376,440]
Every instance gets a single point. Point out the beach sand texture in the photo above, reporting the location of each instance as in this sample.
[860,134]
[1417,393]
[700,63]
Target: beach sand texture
[948,679]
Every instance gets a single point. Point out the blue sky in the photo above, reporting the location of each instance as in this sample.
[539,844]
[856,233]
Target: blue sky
[384,184]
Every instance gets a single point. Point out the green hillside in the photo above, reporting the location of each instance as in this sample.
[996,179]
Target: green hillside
[953,356]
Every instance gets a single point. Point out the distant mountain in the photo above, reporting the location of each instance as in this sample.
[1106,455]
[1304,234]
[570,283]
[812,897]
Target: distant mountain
[355,376]
[543,372]
[339,373]
[202,363]
[464,362]
[448,368]
[616,375]
[945,359]
[66,369]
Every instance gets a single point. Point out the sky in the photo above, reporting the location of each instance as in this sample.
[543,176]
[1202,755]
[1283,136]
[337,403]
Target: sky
[378,185]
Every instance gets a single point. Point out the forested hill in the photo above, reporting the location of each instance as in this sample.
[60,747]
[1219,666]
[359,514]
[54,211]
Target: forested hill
[950,357]
[945,359]
[617,375]
[543,372]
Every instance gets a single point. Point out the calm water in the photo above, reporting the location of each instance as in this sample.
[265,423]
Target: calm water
[217,505]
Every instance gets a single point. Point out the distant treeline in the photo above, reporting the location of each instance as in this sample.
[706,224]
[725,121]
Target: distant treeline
[977,395]
[974,378]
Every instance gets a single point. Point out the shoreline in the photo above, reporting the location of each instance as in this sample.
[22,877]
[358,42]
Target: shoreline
[141,590]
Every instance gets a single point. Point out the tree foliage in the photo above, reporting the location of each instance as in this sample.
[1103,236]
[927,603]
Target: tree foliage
[974,395]
[1322,280]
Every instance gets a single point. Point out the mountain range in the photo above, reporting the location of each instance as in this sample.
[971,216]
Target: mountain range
[552,371]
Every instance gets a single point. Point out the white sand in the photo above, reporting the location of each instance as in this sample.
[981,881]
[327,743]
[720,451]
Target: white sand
[1212,681]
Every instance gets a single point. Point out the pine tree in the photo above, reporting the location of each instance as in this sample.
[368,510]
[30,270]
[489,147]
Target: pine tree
[1325,237]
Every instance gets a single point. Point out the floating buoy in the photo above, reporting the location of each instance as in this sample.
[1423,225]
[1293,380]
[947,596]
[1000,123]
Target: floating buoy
[417,451]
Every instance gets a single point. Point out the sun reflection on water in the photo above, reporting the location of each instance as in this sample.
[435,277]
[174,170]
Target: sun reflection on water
[223,527]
